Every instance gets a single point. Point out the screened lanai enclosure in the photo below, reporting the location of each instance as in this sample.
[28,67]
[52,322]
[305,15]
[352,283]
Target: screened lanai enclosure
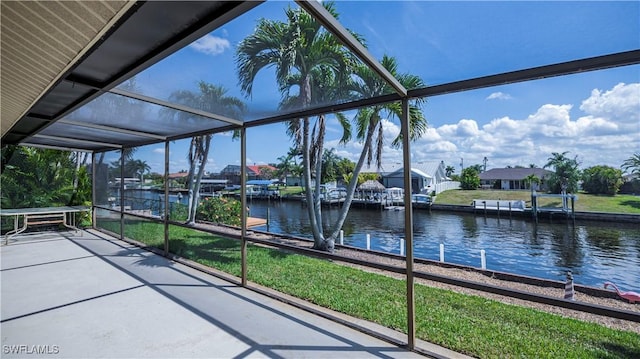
[162,94]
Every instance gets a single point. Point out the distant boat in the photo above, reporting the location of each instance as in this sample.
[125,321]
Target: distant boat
[330,196]
[393,196]
[421,201]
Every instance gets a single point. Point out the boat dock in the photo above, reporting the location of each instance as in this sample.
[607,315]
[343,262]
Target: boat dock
[255,222]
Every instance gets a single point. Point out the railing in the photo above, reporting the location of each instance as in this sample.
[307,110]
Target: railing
[148,207]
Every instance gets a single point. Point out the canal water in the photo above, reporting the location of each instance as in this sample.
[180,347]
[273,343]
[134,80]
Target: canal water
[595,252]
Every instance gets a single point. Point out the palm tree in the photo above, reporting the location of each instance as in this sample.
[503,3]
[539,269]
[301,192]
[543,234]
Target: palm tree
[369,123]
[329,165]
[288,165]
[566,174]
[297,171]
[533,181]
[632,163]
[284,167]
[449,171]
[306,58]
[344,166]
[293,154]
[140,168]
[477,168]
[213,99]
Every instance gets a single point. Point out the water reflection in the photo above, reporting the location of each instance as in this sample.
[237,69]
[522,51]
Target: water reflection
[607,239]
[470,226]
[567,246]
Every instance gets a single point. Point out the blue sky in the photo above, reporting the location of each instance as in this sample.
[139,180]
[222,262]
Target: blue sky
[594,115]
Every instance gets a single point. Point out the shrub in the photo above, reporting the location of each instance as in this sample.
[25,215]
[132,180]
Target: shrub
[220,210]
[469,178]
[602,180]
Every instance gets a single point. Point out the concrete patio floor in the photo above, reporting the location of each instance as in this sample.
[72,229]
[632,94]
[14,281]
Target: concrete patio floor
[89,296]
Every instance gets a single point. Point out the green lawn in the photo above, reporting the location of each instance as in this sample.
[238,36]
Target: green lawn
[585,203]
[469,324]
[290,190]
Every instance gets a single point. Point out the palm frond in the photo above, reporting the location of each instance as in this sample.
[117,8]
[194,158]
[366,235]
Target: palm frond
[346,127]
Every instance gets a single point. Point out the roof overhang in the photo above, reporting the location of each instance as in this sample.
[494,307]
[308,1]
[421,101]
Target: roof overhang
[42,42]
[57,57]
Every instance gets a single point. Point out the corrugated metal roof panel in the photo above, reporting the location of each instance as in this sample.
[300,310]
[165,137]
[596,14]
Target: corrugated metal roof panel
[40,41]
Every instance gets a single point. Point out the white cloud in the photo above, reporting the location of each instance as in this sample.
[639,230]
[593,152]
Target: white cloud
[596,126]
[467,128]
[499,96]
[211,45]
[621,105]
[606,132]
[447,130]
[431,135]
[551,121]
[500,124]
[391,130]
[621,99]
[464,128]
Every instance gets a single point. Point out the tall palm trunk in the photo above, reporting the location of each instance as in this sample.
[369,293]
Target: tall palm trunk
[193,153]
[317,148]
[306,167]
[312,145]
[351,187]
[196,185]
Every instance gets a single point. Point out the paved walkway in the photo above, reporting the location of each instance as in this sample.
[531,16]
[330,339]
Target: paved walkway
[65,295]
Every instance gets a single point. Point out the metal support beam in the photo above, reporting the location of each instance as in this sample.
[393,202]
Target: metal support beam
[76,140]
[317,10]
[243,205]
[58,148]
[112,129]
[94,167]
[175,106]
[166,198]
[534,73]
[121,194]
[408,225]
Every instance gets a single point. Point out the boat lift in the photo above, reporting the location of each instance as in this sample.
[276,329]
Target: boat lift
[568,204]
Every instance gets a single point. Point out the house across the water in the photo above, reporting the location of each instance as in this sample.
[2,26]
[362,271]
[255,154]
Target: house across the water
[513,178]
[426,177]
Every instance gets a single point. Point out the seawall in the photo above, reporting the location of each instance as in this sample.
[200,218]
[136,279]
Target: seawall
[581,216]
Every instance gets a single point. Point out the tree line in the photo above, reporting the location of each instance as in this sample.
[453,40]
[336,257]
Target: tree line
[34,177]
